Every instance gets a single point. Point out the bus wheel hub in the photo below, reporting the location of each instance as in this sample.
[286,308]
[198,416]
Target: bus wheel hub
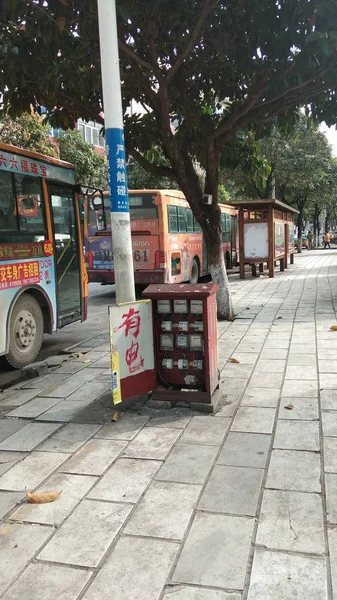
[24,329]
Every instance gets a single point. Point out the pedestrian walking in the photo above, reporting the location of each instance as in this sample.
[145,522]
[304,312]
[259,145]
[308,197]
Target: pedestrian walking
[327,240]
[310,239]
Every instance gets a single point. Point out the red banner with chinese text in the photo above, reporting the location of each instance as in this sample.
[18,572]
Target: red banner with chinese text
[18,274]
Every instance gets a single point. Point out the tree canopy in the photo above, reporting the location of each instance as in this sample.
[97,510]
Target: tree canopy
[203,69]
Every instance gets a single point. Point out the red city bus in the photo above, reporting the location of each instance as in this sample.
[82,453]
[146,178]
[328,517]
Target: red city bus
[167,240]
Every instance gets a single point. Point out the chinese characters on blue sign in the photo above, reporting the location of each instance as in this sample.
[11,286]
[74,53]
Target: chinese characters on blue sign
[117,170]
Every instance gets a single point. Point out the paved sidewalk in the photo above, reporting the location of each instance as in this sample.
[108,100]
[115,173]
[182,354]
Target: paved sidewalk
[176,506]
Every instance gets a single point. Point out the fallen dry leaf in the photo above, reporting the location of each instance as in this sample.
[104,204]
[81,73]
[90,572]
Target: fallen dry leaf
[234,360]
[289,406]
[115,417]
[43,497]
[333,328]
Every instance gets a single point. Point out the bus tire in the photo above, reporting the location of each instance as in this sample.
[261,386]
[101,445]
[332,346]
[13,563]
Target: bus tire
[228,261]
[25,331]
[195,272]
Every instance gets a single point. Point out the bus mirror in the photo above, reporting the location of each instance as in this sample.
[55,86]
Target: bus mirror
[97,203]
[88,191]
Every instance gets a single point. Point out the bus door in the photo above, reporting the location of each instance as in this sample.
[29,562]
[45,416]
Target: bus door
[233,239]
[67,248]
[145,232]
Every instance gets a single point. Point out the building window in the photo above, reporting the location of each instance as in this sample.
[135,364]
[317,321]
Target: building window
[90,131]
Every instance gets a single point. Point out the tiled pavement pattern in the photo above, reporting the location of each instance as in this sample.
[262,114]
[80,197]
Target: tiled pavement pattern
[237,506]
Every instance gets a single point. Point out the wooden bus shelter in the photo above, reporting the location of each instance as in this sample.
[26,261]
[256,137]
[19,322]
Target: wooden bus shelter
[266,234]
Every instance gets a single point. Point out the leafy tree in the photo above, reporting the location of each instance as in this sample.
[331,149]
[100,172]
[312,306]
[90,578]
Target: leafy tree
[214,67]
[90,165]
[29,132]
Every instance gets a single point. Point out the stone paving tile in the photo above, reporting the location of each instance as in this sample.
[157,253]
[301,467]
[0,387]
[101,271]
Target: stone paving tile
[94,458]
[70,438]
[205,430]
[73,488]
[153,442]
[9,459]
[330,455]
[301,373]
[126,428]
[62,412]
[276,344]
[33,408]
[64,388]
[71,368]
[18,397]
[298,349]
[88,392]
[233,387]
[184,592]
[188,463]
[10,426]
[136,569]
[96,525]
[266,380]
[42,383]
[232,490]
[270,366]
[245,358]
[237,370]
[8,501]
[173,420]
[328,400]
[291,521]
[18,545]
[294,470]
[228,409]
[333,558]
[274,354]
[245,450]
[299,389]
[303,408]
[264,397]
[102,363]
[216,552]
[302,360]
[329,422]
[297,435]
[125,481]
[29,437]
[31,471]
[49,582]
[327,366]
[254,420]
[276,576]
[331,497]
[164,511]
[328,381]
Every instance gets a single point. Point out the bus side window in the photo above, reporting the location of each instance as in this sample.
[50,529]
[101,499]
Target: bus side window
[197,227]
[30,207]
[223,225]
[227,221]
[8,218]
[182,219]
[172,219]
[189,219]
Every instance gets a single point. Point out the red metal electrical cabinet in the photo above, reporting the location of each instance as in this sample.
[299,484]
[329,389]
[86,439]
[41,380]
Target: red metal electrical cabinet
[185,341]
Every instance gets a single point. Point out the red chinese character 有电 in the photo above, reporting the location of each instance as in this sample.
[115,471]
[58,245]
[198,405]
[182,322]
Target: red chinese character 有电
[131,356]
[131,323]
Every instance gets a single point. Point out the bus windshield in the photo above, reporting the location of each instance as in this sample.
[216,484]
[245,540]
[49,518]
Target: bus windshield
[142,207]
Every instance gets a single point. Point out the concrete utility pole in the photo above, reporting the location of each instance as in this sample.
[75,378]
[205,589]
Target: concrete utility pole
[114,136]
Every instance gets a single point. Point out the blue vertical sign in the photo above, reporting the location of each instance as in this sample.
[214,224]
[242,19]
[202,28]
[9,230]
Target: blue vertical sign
[117,173]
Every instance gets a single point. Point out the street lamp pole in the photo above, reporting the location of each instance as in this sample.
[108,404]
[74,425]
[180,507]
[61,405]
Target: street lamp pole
[114,136]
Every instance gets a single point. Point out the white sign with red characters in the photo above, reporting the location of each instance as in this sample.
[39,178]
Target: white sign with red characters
[132,358]
[23,165]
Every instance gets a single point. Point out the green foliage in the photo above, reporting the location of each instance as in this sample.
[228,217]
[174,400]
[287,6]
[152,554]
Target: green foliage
[139,178]
[90,166]
[29,132]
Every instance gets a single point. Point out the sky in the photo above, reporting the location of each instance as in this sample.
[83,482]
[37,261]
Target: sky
[331,134]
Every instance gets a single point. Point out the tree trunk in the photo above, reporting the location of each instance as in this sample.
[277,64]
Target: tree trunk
[300,229]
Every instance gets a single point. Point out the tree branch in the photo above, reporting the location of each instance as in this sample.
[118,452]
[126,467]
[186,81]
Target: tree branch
[150,167]
[208,7]
[138,60]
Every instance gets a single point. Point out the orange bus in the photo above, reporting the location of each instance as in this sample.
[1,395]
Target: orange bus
[167,240]
[43,280]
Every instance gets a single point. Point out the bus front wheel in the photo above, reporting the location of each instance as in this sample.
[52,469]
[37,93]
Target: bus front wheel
[25,332]
[194,271]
